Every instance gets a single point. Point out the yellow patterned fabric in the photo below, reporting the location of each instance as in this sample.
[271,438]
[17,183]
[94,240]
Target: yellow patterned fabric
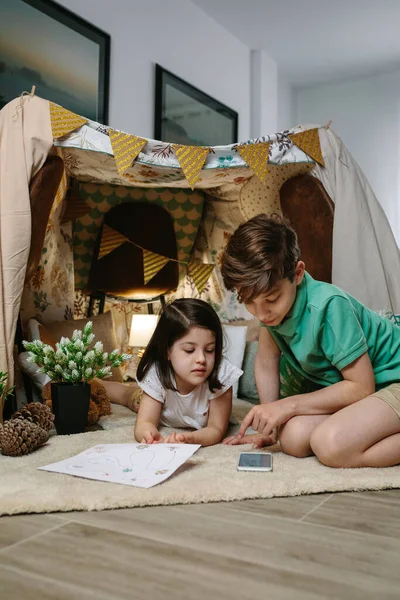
[110,239]
[200,272]
[191,159]
[126,148]
[152,264]
[263,197]
[309,142]
[256,156]
[63,121]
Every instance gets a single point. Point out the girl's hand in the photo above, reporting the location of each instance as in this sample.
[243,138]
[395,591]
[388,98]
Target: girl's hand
[152,437]
[177,438]
[257,439]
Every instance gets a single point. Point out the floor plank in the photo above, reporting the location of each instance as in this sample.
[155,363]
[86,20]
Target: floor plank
[20,527]
[198,550]
[358,512]
[24,586]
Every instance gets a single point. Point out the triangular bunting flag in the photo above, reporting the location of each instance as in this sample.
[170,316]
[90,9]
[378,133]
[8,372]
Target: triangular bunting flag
[63,121]
[126,148]
[309,142]
[191,159]
[152,263]
[110,239]
[200,272]
[75,208]
[256,156]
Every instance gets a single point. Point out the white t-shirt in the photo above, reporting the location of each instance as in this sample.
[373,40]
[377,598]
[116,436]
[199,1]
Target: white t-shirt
[188,410]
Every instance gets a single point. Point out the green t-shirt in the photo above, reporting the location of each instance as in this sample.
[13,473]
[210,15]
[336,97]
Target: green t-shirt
[326,330]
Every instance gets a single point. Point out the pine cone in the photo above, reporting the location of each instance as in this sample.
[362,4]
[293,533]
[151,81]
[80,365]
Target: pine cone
[18,437]
[37,413]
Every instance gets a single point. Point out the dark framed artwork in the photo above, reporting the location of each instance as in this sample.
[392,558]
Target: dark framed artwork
[185,115]
[64,56]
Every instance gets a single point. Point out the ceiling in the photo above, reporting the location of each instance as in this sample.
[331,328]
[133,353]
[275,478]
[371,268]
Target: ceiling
[314,41]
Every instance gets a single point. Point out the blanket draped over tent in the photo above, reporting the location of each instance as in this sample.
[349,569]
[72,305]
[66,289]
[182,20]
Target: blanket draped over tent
[230,184]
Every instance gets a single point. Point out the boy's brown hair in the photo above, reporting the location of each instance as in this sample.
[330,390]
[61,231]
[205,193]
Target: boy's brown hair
[261,252]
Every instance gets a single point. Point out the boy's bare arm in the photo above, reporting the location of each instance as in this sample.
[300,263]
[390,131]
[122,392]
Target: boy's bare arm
[358,383]
[266,368]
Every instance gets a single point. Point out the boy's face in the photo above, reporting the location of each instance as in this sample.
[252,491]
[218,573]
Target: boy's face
[273,306]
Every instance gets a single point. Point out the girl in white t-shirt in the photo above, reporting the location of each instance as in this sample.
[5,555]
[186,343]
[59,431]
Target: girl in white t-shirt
[186,382]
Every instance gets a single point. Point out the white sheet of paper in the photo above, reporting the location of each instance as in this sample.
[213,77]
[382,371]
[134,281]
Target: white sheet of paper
[138,465]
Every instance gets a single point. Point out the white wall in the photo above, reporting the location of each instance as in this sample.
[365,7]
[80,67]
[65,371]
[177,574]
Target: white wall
[286,118]
[181,38]
[366,114]
[264,94]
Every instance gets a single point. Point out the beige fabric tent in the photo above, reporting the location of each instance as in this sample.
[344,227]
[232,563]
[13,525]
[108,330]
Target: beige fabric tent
[366,260]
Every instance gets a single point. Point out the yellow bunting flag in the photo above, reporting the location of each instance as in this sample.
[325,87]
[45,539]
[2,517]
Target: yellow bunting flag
[200,272]
[110,239]
[63,121]
[191,159]
[126,148]
[75,208]
[256,156]
[309,142]
[152,264]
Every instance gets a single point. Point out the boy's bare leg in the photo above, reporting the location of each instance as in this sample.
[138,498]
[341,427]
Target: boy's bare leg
[364,434]
[122,393]
[294,436]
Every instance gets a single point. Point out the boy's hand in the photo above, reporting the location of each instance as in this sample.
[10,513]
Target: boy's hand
[257,439]
[152,437]
[266,417]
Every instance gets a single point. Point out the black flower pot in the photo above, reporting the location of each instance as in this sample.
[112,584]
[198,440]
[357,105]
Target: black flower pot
[70,403]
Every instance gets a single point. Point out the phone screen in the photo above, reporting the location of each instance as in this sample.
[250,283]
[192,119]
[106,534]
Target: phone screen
[255,460]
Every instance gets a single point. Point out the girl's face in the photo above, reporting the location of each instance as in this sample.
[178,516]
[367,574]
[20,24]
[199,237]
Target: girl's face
[192,358]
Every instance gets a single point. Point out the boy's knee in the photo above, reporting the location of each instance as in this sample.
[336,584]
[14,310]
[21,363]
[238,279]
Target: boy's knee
[327,444]
[293,438]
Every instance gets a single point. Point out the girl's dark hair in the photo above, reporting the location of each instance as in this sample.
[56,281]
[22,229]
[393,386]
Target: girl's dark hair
[175,321]
[259,254]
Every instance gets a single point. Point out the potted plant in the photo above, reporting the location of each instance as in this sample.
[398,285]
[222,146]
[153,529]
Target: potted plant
[70,366]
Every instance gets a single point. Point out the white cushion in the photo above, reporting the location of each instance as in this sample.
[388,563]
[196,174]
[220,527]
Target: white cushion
[234,347]
[31,369]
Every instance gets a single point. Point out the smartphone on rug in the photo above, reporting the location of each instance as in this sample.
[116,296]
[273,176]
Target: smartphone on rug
[255,461]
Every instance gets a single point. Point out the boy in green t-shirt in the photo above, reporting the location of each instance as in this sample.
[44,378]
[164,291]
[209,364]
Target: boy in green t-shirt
[348,352]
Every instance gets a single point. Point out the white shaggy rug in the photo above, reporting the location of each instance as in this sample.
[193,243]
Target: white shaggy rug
[209,476]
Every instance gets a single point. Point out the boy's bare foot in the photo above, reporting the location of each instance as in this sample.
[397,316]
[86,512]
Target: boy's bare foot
[257,439]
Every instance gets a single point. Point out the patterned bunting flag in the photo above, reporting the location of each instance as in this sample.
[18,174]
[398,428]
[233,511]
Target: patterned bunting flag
[200,272]
[110,239]
[75,208]
[152,264]
[309,142]
[126,148]
[191,159]
[63,121]
[256,156]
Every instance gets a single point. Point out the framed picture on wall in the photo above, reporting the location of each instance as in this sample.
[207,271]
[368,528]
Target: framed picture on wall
[185,115]
[64,56]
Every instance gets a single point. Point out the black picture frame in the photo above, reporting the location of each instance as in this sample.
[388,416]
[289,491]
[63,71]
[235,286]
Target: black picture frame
[218,126]
[82,85]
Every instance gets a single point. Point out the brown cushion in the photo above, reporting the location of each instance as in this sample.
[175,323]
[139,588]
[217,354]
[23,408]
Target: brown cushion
[103,328]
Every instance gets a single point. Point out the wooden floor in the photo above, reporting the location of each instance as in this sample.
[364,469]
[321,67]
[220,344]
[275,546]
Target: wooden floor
[342,546]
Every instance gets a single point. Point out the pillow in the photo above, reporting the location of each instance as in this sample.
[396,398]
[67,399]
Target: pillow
[32,370]
[252,325]
[234,346]
[247,383]
[103,328]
